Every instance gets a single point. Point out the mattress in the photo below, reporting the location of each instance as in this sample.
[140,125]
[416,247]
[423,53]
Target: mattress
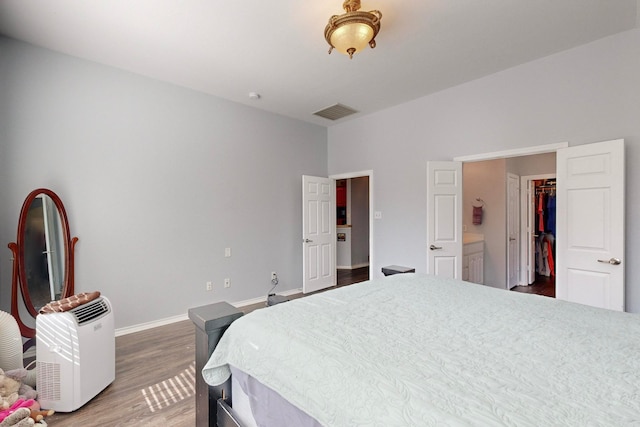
[415,349]
[256,404]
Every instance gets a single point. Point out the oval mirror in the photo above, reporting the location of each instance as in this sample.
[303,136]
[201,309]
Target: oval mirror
[43,255]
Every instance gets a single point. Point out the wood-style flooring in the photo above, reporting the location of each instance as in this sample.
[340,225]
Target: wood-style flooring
[542,286]
[357,275]
[155,377]
[154,385]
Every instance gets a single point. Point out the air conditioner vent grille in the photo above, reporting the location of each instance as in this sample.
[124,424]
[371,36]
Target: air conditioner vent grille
[48,380]
[89,311]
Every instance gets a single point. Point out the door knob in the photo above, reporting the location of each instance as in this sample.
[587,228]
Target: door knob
[433,247]
[308,241]
[612,261]
[511,239]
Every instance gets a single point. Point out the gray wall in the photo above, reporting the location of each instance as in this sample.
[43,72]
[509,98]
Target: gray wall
[157,181]
[539,164]
[486,180]
[583,95]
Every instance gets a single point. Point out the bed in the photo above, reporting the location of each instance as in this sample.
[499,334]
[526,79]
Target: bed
[417,350]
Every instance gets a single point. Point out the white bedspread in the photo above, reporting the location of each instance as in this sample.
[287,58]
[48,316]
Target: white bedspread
[415,350]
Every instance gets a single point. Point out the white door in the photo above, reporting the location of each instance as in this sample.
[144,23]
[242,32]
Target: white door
[528,234]
[513,230]
[531,235]
[590,224]
[444,219]
[318,233]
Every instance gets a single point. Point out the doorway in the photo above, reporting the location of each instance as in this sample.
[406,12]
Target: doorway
[354,227]
[502,228]
[591,197]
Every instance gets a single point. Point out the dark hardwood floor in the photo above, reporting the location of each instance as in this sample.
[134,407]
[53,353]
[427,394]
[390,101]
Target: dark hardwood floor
[542,286]
[349,277]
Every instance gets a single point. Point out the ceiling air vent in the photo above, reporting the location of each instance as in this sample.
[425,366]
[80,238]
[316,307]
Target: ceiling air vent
[335,112]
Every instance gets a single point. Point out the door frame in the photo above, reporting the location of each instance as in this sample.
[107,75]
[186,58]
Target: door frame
[368,173]
[517,152]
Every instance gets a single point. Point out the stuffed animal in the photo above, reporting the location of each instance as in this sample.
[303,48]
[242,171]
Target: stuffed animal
[19,418]
[19,404]
[8,390]
[17,399]
[25,391]
[11,388]
[24,413]
[38,415]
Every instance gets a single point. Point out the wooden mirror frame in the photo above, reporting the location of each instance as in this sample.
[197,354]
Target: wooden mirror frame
[18,277]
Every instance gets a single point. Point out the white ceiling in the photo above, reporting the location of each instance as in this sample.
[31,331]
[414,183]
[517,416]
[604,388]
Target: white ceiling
[277,48]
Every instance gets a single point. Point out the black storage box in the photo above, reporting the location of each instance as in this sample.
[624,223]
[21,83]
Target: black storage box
[396,269]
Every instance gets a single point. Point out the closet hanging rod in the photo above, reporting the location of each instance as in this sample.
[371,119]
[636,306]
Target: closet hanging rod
[549,190]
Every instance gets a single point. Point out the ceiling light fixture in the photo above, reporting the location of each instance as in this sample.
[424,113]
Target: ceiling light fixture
[351,32]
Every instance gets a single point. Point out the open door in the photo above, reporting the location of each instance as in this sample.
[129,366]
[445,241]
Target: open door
[318,233]
[590,224]
[444,219]
[528,233]
[513,230]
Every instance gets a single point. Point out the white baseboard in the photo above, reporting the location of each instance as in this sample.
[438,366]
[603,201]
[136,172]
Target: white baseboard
[149,325]
[264,298]
[352,267]
[168,320]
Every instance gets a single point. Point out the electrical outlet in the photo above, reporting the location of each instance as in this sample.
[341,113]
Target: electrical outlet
[274,276]
[209,286]
[227,282]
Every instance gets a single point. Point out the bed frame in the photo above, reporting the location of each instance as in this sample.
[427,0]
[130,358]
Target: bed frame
[212,403]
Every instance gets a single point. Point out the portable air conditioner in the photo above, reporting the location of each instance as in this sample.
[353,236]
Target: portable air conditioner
[75,355]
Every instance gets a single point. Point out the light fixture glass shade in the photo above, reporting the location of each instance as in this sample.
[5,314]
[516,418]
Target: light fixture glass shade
[352,31]
[351,36]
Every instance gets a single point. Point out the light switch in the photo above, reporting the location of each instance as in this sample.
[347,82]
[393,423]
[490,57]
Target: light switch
[227,252]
